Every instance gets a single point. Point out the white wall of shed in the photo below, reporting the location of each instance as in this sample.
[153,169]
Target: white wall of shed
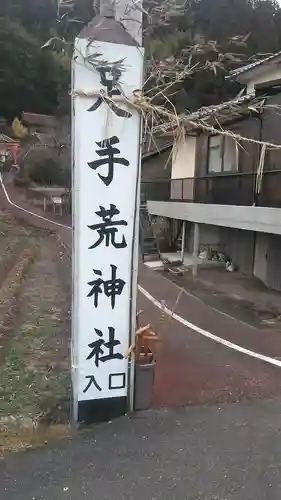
[269,74]
[183,162]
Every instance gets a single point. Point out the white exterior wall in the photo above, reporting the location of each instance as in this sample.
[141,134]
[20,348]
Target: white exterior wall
[183,162]
[269,74]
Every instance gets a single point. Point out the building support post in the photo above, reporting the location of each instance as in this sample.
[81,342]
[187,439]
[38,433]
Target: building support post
[183,240]
[195,249]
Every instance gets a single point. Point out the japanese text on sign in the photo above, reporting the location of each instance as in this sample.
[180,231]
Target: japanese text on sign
[108,232]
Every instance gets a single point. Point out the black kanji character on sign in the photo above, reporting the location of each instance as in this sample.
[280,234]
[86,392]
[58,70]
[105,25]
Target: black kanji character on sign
[92,381]
[109,78]
[116,381]
[110,288]
[97,351]
[107,154]
[107,229]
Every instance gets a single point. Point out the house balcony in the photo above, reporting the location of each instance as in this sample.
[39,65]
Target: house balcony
[228,200]
[225,189]
[158,190]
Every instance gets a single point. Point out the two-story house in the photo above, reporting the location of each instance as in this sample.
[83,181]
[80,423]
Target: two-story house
[227,192]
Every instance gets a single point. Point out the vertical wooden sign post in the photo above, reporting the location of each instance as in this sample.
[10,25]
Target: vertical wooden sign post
[107,68]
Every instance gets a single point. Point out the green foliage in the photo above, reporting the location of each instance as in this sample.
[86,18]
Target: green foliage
[36,16]
[21,181]
[38,80]
[230,31]
[29,77]
[70,21]
[32,79]
[48,172]
[18,129]
[161,48]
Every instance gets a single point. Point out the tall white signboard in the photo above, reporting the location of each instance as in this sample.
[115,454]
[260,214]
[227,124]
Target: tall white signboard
[106,145]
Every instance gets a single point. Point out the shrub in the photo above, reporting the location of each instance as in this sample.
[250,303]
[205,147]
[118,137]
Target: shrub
[47,172]
[21,181]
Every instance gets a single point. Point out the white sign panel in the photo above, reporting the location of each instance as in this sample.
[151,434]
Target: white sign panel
[106,164]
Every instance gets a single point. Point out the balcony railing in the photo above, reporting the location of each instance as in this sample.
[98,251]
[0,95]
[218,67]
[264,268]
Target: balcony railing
[158,190]
[225,189]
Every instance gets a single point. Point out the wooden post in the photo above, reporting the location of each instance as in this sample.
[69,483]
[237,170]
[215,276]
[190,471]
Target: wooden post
[195,249]
[106,163]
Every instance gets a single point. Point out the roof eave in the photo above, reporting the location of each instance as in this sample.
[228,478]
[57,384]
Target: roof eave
[225,120]
[238,78]
[210,121]
[245,75]
[150,154]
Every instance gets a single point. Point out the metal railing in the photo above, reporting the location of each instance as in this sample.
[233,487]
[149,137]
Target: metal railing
[224,189]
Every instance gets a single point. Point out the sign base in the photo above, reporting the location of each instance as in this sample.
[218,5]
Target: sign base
[100,410]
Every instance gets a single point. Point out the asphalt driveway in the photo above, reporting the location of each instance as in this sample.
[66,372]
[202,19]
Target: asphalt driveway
[230,452]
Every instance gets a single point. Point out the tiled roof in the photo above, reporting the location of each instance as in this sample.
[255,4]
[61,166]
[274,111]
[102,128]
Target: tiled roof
[7,140]
[248,67]
[155,145]
[233,104]
[38,119]
[213,115]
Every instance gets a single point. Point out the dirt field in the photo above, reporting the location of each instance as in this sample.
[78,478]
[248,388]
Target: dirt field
[34,336]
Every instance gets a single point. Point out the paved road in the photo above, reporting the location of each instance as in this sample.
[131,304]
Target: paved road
[230,452]
[192,369]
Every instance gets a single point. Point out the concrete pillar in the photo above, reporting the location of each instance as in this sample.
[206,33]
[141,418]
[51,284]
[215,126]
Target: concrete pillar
[183,240]
[195,249]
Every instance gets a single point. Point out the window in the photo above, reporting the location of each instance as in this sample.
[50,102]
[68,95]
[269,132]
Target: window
[215,154]
[222,154]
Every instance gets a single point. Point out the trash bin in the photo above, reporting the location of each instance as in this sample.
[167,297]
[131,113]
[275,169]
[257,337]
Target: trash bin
[144,381]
